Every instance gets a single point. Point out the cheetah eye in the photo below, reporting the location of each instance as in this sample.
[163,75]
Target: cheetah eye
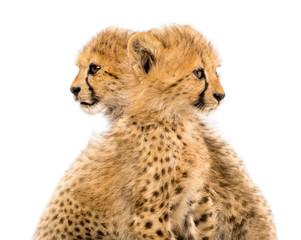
[93,69]
[199,73]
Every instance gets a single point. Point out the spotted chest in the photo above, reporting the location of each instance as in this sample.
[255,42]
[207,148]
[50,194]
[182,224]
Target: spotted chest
[171,174]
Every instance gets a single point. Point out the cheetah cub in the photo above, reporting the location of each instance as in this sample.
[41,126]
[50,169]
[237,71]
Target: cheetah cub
[96,89]
[231,207]
[141,180]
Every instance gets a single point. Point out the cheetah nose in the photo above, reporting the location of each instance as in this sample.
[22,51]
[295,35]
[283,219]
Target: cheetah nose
[75,90]
[219,96]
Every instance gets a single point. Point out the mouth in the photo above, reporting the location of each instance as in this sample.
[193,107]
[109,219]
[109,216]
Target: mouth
[95,100]
[87,104]
[92,105]
[207,107]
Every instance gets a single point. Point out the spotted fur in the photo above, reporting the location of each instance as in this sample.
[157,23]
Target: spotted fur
[93,196]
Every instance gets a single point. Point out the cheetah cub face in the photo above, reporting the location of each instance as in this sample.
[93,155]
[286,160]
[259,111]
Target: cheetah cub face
[103,71]
[177,68]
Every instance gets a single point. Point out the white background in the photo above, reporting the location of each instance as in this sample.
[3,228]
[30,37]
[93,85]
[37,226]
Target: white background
[42,129]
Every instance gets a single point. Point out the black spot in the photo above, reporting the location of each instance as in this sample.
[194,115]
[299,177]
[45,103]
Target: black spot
[69,222]
[196,222]
[191,202]
[204,200]
[156,176]
[139,204]
[203,218]
[173,180]
[167,196]
[99,232]
[159,233]
[156,193]
[173,207]
[148,225]
[178,190]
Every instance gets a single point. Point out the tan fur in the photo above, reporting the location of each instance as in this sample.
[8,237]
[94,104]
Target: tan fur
[239,209]
[126,185]
[108,50]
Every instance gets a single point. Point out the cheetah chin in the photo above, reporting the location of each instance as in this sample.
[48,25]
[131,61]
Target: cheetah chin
[91,108]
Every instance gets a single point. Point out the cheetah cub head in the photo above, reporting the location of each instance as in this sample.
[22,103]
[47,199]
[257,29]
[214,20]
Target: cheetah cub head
[176,68]
[103,72]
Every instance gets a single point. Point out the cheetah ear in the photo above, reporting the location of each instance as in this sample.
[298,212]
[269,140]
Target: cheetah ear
[142,48]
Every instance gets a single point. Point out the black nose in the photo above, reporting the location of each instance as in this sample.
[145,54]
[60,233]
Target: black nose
[75,90]
[219,96]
